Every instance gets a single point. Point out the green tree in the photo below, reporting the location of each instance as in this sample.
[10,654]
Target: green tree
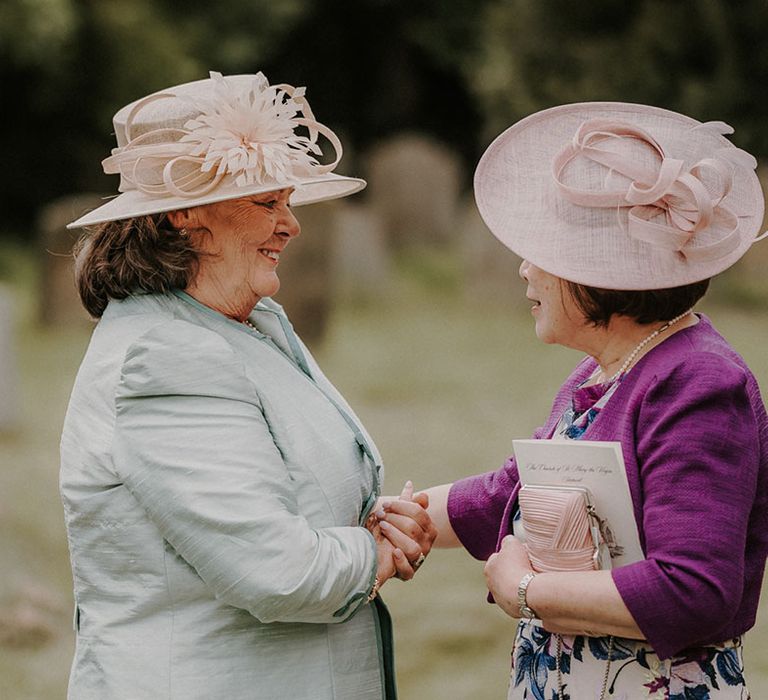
[67,65]
[705,58]
[461,70]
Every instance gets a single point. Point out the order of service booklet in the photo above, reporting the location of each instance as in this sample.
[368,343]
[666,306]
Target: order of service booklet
[598,466]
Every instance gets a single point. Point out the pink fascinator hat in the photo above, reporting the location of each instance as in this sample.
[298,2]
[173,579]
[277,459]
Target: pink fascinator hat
[621,196]
[216,139]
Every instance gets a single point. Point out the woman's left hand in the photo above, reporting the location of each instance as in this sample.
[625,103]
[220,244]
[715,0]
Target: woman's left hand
[504,571]
[391,560]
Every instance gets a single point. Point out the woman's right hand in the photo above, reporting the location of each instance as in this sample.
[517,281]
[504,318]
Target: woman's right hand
[404,521]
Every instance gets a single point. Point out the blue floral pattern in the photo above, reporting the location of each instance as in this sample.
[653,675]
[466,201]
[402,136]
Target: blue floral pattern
[635,672]
[586,406]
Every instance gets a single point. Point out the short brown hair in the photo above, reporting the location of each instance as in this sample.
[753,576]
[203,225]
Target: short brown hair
[647,306]
[119,258]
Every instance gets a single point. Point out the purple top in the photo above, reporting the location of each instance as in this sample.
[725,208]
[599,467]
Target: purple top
[694,433]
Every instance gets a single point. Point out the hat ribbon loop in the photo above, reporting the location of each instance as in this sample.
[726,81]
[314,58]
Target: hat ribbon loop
[158,148]
[687,204]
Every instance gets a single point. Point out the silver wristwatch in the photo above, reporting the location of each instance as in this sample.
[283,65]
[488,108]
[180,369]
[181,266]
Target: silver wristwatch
[522,589]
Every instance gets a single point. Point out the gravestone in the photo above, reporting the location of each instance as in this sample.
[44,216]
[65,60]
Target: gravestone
[59,301]
[490,268]
[9,372]
[305,271]
[414,185]
[362,264]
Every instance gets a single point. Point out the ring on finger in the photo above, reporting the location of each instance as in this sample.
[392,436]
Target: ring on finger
[416,564]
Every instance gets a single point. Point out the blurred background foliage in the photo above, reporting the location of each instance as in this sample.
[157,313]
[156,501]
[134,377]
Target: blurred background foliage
[460,70]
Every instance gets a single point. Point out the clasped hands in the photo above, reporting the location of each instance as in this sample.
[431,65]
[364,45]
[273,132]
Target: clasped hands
[404,533]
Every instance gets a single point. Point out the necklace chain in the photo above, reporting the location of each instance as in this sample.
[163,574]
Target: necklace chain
[558,666]
[632,355]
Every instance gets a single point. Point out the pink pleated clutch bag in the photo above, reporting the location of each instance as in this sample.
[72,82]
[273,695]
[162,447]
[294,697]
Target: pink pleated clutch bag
[562,529]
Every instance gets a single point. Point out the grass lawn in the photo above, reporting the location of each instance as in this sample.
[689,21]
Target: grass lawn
[444,384]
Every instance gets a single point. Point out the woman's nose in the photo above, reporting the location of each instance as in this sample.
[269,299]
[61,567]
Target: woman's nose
[288,225]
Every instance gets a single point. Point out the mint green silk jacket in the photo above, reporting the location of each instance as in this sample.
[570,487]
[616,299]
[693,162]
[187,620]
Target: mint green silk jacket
[214,484]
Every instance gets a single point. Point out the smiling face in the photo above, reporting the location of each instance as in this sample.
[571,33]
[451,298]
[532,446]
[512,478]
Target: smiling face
[558,319]
[240,241]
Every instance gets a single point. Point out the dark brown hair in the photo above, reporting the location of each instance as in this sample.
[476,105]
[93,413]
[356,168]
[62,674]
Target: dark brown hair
[118,258]
[648,306]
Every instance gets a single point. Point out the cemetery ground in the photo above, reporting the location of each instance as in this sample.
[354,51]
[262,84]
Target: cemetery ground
[443,381]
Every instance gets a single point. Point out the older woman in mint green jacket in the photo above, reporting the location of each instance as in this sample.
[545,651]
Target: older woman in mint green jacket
[217,488]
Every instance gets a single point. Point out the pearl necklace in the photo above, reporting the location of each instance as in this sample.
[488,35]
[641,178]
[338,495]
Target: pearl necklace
[632,355]
[250,325]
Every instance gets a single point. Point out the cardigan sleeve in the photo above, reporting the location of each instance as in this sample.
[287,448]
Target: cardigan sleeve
[476,506]
[192,445]
[698,456]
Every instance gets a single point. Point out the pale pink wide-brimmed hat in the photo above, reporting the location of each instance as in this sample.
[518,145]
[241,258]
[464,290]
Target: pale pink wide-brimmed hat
[217,139]
[620,196]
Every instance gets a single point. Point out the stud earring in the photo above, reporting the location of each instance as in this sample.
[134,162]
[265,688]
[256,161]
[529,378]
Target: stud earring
[183,232]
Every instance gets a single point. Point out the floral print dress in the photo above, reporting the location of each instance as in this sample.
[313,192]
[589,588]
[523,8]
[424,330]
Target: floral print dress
[634,671]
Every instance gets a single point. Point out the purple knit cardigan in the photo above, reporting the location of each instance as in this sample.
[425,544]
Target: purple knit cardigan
[694,432]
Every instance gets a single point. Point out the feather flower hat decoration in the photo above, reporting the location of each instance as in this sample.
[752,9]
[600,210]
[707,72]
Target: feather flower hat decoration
[218,139]
[251,134]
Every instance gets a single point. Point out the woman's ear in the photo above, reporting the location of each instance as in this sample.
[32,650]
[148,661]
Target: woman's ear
[179,219]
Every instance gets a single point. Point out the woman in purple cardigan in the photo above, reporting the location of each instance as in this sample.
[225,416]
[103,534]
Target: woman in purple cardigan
[622,213]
